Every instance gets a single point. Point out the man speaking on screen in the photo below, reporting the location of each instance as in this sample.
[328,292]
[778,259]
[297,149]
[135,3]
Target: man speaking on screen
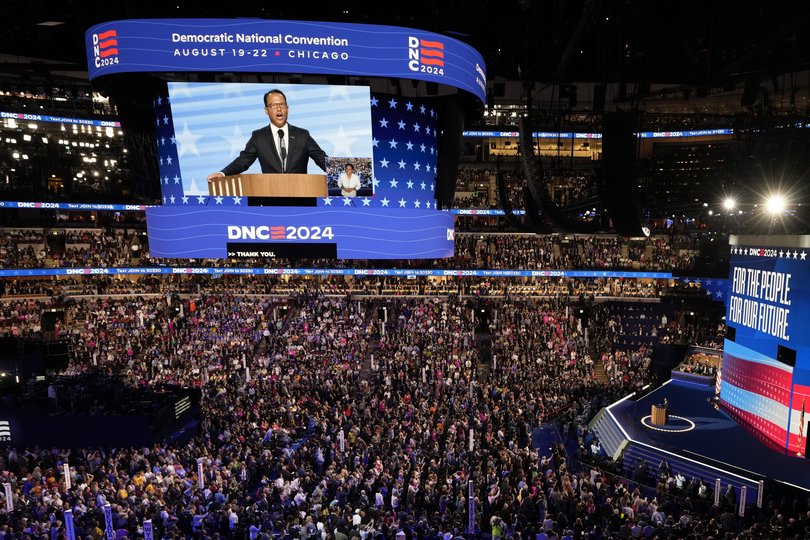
[280,147]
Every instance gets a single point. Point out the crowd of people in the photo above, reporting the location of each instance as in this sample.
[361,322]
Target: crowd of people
[476,187]
[576,251]
[110,247]
[21,298]
[326,415]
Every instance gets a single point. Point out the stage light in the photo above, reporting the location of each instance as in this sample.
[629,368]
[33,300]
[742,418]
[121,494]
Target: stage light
[775,204]
[729,203]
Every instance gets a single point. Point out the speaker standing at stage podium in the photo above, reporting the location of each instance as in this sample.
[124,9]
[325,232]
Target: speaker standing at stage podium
[279,147]
[666,409]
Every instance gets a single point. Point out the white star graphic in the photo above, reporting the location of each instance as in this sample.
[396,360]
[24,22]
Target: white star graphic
[166,180]
[375,182]
[193,188]
[417,204]
[401,124]
[384,201]
[366,201]
[401,164]
[237,200]
[327,201]
[174,140]
[185,199]
[176,179]
[384,163]
[781,253]
[164,200]
[218,200]
[157,122]
[165,120]
[409,106]
[168,160]
[374,142]
[383,123]
[417,166]
[163,141]
[409,184]
[171,199]
[343,143]
[795,254]
[159,101]
[422,147]
[416,127]
[393,143]
[187,141]
[409,145]
[347,201]
[432,112]
[392,103]
[427,205]
[431,187]
[160,161]
[374,101]
[422,109]
[803,255]
[402,203]
[339,91]
[200,200]
[236,141]
[423,186]
[394,183]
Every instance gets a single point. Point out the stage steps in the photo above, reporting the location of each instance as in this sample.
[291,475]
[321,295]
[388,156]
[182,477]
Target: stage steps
[600,373]
[605,427]
[689,468]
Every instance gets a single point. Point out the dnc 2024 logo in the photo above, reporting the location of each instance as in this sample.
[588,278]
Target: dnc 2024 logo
[5,431]
[105,48]
[425,56]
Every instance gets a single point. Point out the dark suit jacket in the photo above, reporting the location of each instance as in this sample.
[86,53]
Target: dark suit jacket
[300,147]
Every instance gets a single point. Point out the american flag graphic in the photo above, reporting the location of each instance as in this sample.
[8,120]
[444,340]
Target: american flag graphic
[801,427]
[108,43]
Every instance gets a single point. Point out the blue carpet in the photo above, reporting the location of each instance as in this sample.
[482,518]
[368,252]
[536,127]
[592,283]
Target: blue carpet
[544,436]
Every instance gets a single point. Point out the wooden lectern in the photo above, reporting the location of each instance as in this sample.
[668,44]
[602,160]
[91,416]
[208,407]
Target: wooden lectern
[659,415]
[269,185]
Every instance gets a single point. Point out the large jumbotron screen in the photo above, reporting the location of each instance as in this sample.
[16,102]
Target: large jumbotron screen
[391,139]
[765,376]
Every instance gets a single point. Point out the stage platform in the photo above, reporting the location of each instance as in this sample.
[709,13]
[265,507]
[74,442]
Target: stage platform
[700,432]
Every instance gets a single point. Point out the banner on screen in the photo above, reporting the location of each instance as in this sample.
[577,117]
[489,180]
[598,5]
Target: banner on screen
[267,46]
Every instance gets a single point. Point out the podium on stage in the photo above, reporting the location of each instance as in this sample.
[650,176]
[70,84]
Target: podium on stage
[659,414]
[269,185]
